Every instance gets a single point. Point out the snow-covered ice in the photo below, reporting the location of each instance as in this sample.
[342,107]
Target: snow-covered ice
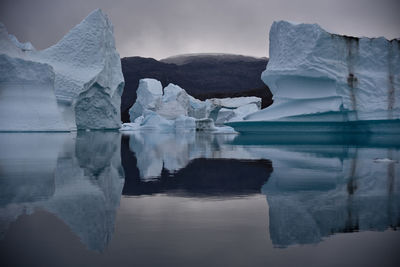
[83,74]
[315,75]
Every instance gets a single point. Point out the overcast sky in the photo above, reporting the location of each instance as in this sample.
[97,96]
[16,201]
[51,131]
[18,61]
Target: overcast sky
[157,28]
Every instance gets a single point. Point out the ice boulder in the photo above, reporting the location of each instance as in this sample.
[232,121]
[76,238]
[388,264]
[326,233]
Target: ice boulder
[86,72]
[148,93]
[315,75]
[175,102]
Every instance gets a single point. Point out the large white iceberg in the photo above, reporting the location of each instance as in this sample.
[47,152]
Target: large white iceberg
[75,84]
[315,75]
[173,108]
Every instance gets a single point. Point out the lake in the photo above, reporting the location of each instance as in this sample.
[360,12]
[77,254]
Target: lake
[199,199]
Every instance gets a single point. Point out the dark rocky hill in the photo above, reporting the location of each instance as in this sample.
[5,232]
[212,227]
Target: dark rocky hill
[201,75]
[209,58]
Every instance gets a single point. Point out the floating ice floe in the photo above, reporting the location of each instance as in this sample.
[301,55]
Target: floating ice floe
[319,77]
[385,160]
[174,109]
[74,84]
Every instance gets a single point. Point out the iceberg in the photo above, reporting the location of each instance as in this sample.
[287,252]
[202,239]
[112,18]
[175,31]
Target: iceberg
[317,76]
[173,108]
[74,84]
[148,92]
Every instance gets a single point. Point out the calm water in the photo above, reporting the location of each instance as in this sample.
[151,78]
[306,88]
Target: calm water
[187,199]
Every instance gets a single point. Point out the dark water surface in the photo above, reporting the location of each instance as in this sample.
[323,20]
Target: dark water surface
[187,199]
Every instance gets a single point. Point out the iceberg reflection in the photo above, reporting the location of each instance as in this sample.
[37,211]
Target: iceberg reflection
[317,185]
[190,164]
[171,152]
[334,187]
[76,176]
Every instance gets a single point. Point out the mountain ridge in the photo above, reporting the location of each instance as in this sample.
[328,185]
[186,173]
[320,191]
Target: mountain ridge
[182,59]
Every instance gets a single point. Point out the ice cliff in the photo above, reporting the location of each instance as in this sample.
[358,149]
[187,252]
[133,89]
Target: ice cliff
[172,107]
[75,84]
[315,75]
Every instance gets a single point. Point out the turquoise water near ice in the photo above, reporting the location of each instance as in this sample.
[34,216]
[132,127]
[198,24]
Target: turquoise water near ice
[319,124]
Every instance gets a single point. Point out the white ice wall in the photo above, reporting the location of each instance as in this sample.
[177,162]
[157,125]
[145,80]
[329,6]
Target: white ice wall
[308,67]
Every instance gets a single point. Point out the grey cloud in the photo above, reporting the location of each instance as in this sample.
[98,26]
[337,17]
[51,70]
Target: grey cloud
[156,28]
